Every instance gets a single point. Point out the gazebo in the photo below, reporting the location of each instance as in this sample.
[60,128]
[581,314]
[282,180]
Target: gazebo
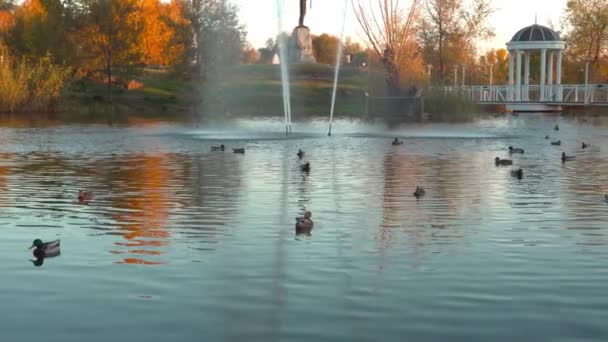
[529,40]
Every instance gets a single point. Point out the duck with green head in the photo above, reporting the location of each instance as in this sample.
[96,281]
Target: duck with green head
[45,249]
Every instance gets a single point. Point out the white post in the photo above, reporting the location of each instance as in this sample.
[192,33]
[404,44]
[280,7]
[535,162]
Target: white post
[558,77]
[518,77]
[587,82]
[550,77]
[543,69]
[510,88]
[455,76]
[527,76]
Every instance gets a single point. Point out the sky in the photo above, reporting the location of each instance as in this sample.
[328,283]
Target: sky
[326,16]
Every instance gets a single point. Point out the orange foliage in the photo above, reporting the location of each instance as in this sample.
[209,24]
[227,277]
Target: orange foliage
[7,21]
[159,43]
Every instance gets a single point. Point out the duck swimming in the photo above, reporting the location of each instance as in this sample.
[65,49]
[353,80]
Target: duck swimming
[419,192]
[305,167]
[238,150]
[499,161]
[304,224]
[556,128]
[566,158]
[45,249]
[218,148]
[300,153]
[519,173]
[546,137]
[84,196]
[556,143]
[515,150]
[397,142]
[584,146]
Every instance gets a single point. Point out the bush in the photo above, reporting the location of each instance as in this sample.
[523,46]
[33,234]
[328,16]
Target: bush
[30,86]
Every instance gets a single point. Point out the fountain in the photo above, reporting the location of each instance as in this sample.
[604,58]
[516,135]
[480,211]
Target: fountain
[284,69]
[337,69]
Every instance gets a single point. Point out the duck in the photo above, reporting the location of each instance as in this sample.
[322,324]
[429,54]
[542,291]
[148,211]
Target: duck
[218,148]
[556,143]
[499,161]
[556,128]
[239,150]
[305,167]
[519,173]
[546,137]
[584,146]
[606,198]
[566,158]
[84,196]
[397,142]
[45,249]
[515,150]
[300,153]
[419,192]
[304,224]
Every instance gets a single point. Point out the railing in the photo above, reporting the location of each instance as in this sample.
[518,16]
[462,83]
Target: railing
[565,93]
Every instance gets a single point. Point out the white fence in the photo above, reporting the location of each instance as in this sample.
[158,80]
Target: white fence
[570,93]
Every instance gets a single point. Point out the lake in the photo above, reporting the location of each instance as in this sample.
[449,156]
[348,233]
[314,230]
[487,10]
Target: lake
[184,244]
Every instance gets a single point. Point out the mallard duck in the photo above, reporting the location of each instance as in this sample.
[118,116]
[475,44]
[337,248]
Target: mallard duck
[238,150]
[397,142]
[499,161]
[556,128]
[515,150]
[556,143]
[305,167]
[584,146]
[45,249]
[304,224]
[519,173]
[566,158]
[300,153]
[419,192]
[218,148]
[84,196]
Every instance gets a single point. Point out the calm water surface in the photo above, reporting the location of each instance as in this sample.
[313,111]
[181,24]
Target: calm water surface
[184,244]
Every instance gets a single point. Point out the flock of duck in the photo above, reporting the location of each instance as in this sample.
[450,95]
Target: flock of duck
[519,173]
[304,224]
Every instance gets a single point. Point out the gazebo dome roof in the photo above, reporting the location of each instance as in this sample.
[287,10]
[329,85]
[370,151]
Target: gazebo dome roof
[536,33]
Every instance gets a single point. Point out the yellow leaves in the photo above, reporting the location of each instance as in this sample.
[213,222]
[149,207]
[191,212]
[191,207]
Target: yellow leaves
[159,43]
[7,21]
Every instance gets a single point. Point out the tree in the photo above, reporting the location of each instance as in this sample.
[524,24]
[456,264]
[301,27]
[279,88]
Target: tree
[388,34]
[267,52]
[218,34]
[586,22]
[111,35]
[325,48]
[250,55]
[162,41]
[448,31]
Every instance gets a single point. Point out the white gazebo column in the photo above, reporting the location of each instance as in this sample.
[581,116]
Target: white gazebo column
[510,87]
[550,77]
[558,77]
[543,69]
[527,76]
[518,77]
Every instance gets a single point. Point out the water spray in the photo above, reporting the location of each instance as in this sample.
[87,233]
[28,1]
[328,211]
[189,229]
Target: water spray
[337,70]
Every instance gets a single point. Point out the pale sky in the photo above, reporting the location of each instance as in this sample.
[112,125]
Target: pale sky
[260,18]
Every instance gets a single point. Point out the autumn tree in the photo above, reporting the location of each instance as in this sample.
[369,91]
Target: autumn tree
[325,48]
[448,31]
[586,22]
[267,52]
[162,39]
[389,33]
[7,20]
[39,30]
[111,35]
